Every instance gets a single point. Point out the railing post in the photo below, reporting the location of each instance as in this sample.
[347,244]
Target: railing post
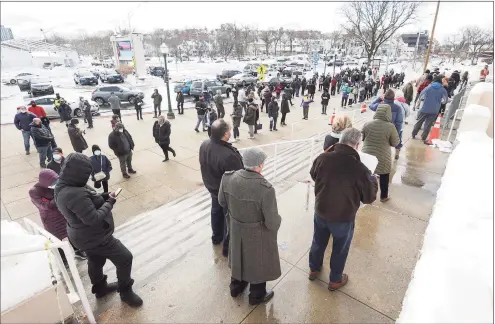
[310,160]
[275,163]
[453,123]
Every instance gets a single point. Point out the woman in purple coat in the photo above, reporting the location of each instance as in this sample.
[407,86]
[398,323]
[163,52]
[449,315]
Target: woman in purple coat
[53,221]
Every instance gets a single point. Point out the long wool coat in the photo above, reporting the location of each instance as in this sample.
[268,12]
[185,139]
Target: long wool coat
[253,223]
[378,136]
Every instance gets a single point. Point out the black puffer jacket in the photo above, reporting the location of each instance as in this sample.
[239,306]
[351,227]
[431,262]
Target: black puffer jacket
[116,144]
[162,133]
[88,214]
[215,158]
[273,109]
[41,134]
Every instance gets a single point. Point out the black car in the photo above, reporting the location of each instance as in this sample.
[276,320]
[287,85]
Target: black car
[111,76]
[85,78]
[158,71]
[40,86]
[227,74]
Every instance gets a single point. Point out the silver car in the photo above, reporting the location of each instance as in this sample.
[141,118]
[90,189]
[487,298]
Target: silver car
[242,79]
[47,102]
[212,86]
[101,94]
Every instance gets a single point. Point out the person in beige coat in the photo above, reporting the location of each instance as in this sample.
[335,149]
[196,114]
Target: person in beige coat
[253,222]
[378,136]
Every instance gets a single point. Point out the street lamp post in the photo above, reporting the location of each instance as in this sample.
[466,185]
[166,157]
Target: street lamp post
[164,50]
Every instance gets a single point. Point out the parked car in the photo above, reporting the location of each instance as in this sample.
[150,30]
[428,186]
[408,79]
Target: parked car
[198,86]
[337,62]
[47,66]
[85,78]
[47,102]
[101,94]
[111,76]
[304,66]
[12,78]
[184,86]
[38,86]
[158,71]
[242,79]
[276,80]
[227,74]
[96,62]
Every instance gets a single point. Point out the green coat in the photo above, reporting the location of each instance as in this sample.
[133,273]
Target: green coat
[378,136]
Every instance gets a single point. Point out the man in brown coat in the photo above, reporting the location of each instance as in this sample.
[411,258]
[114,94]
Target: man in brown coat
[342,182]
[253,222]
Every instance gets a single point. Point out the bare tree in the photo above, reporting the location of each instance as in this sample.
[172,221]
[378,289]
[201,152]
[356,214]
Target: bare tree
[478,40]
[247,36]
[373,23]
[291,37]
[336,38]
[224,39]
[277,37]
[267,36]
[455,44]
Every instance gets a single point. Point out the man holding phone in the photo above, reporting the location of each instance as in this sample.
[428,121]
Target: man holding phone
[90,228]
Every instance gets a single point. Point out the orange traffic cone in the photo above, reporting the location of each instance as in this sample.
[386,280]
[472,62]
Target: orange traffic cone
[363,108]
[435,132]
[332,118]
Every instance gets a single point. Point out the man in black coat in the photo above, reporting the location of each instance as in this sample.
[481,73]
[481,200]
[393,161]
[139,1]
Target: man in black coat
[180,102]
[342,182]
[22,122]
[90,228]
[216,156]
[157,103]
[43,139]
[120,141]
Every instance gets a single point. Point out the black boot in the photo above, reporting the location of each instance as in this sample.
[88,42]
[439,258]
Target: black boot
[255,301]
[103,288]
[128,296]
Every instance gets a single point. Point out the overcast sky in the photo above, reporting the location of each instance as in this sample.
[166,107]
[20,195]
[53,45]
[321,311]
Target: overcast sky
[26,19]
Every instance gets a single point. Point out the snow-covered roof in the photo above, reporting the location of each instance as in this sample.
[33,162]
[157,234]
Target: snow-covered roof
[35,46]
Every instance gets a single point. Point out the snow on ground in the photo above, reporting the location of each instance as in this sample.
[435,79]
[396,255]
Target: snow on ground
[23,275]
[452,281]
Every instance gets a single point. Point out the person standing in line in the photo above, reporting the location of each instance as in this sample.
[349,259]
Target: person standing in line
[22,122]
[85,107]
[484,73]
[157,102]
[423,85]
[56,105]
[114,102]
[325,98]
[43,139]
[211,117]
[288,93]
[58,160]
[278,90]
[101,167]
[161,132]
[433,95]
[320,82]
[138,106]
[333,86]
[201,110]
[122,144]
[253,227]
[342,183]
[273,113]
[235,93]
[305,104]
[217,156]
[180,102]
[236,120]
[41,195]
[115,119]
[312,90]
[36,110]
[408,92]
[304,84]
[345,95]
[378,136]
[90,229]
[242,98]
[65,112]
[340,124]
[284,109]
[76,136]
[250,117]
[219,104]
[267,97]
[422,78]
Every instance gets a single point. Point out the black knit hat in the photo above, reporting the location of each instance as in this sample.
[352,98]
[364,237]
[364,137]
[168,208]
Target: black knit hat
[95,148]
[74,121]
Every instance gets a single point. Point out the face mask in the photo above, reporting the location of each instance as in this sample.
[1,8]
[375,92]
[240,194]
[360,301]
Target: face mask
[121,130]
[57,157]
[23,111]
[33,105]
[97,153]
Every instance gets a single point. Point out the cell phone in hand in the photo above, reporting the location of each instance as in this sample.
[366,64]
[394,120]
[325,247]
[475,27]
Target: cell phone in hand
[117,192]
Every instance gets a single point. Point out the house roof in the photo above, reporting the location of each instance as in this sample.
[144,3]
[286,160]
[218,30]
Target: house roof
[34,46]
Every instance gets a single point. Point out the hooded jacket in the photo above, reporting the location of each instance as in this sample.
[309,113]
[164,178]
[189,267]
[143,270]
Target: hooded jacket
[37,110]
[433,96]
[157,98]
[378,136]
[43,198]
[88,214]
[342,182]
[397,111]
[114,102]
[273,109]
[77,139]
[65,112]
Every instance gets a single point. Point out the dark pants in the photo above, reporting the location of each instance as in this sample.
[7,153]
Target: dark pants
[332,91]
[166,148]
[45,153]
[384,179]
[158,107]
[221,111]
[236,132]
[324,109]
[102,182]
[218,224]
[273,123]
[311,96]
[180,107]
[139,113]
[125,162]
[89,119]
[320,86]
[118,254]
[305,112]
[256,291]
[267,102]
[428,120]
[282,121]
[343,102]
[117,112]
[342,233]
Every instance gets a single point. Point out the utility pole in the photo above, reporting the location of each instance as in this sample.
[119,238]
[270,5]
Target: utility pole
[430,43]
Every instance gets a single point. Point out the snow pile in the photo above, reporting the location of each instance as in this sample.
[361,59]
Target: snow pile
[23,275]
[452,281]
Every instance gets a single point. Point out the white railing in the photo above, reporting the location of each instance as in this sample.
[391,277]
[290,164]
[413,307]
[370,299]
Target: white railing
[453,123]
[74,295]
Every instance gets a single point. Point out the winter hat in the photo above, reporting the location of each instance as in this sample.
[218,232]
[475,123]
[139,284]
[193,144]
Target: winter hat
[57,150]
[118,126]
[438,79]
[95,148]
[253,157]
[74,121]
[429,77]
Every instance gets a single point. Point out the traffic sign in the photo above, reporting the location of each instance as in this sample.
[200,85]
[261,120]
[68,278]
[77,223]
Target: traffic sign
[261,69]
[316,58]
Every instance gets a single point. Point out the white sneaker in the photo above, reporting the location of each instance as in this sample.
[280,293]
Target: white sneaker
[251,137]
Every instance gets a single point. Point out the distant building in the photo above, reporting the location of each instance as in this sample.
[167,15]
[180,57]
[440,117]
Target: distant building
[411,39]
[6,33]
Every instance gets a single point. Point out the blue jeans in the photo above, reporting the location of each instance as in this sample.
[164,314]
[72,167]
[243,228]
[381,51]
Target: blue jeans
[45,153]
[399,146]
[26,136]
[342,236]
